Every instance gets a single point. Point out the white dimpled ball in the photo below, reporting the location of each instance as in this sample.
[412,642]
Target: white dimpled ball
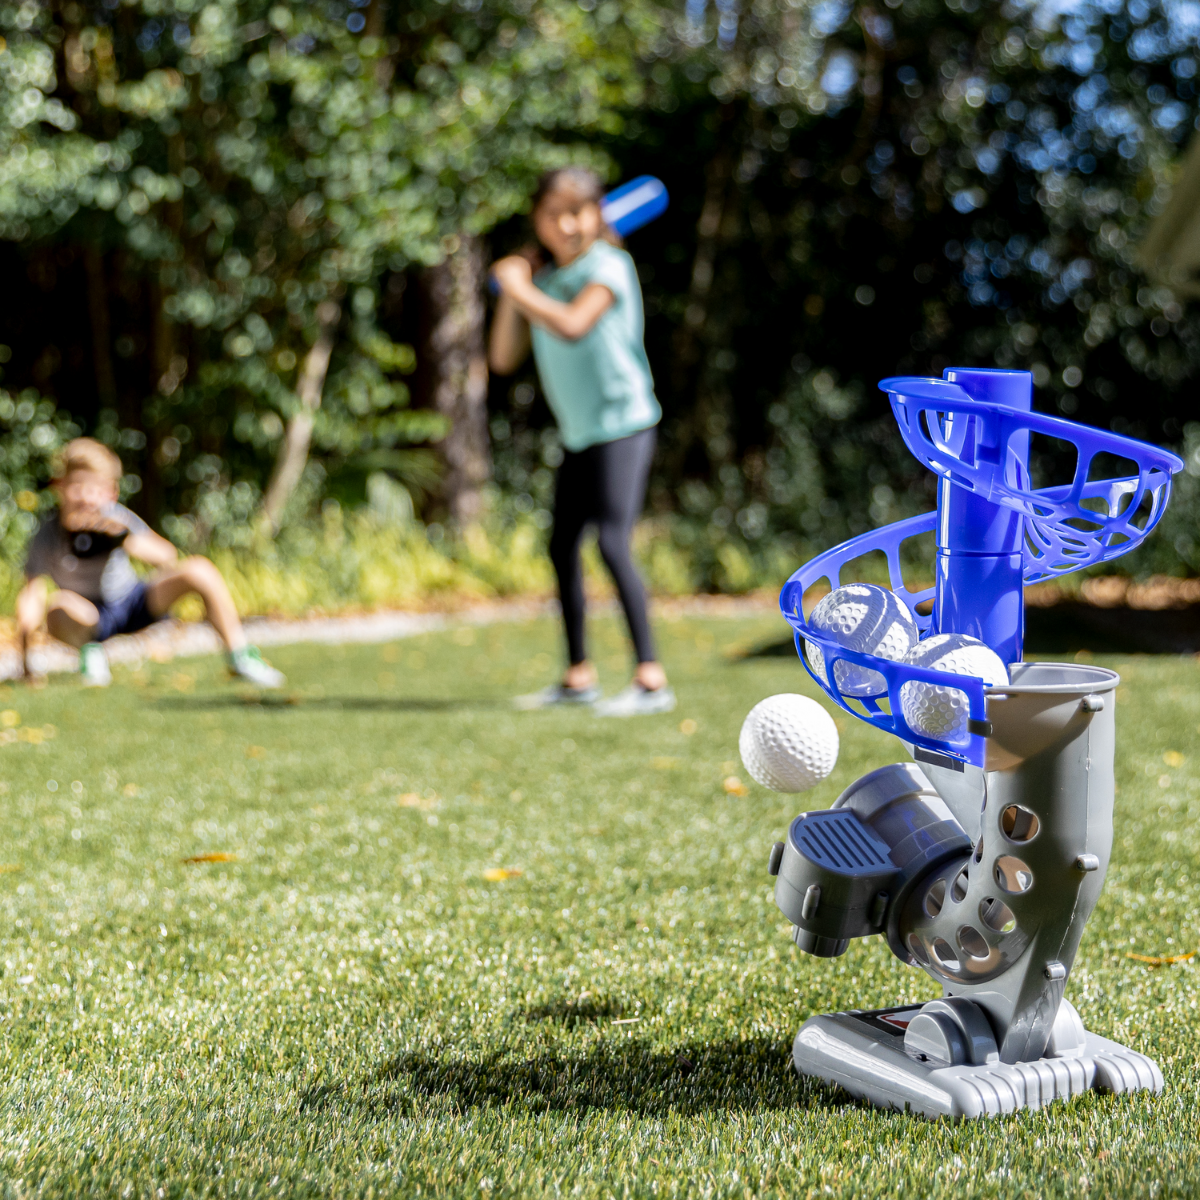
[789,743]
[866,618]
[938,711]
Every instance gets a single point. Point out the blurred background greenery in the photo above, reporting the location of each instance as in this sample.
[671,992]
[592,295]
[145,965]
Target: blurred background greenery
[246,243]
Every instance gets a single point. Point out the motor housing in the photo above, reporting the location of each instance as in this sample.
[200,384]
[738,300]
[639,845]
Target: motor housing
[845,871]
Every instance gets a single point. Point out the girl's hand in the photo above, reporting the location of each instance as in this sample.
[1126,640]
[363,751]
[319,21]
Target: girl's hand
[513,273]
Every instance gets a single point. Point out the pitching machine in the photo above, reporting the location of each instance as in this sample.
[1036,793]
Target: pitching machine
[980,860]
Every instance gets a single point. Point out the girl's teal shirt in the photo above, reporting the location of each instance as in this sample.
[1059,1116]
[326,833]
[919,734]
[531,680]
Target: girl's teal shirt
[598,387]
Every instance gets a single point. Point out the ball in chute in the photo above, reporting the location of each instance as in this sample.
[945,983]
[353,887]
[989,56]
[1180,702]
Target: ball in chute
[866,618]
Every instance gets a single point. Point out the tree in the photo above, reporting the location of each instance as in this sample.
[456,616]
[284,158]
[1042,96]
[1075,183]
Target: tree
[967,183]
[858,189]
[247,170]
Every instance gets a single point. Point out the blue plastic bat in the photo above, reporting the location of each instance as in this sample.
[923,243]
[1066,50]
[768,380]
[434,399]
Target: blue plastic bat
[626,208]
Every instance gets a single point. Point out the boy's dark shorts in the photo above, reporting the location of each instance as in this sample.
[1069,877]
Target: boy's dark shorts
[126,615]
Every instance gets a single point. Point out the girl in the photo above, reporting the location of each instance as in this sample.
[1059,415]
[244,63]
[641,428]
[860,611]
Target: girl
[584,317]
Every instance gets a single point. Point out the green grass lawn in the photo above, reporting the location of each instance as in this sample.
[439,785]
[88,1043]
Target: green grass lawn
[458,950]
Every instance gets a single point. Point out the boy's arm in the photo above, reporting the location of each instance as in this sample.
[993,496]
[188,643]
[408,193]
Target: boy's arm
[31,612]
[567,321]
[148,547]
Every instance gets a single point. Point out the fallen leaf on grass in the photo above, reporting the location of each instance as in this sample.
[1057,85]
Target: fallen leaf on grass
[687,726]
[130,789]
[255,752]
[9,718]
[663,763]
[500,874]
[735,787]
[415,800]
[1154,961]
[8,868]
[209,858]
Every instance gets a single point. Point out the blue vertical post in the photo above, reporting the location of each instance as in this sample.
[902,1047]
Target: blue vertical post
[979,586]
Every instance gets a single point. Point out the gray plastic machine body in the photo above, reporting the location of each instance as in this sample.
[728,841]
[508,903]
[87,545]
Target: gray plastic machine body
[985,879]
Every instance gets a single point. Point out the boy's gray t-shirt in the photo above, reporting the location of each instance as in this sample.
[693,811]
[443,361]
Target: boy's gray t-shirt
[93,565]
[599,387]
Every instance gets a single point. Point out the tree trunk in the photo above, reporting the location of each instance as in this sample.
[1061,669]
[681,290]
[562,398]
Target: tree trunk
[102,364]
[385,64]
[696,333]
[457,371]
[297,438]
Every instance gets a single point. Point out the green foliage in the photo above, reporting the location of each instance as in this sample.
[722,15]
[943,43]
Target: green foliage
[366,558]
[359,560]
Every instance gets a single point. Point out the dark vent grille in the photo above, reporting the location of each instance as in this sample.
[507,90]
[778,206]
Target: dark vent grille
[839,841]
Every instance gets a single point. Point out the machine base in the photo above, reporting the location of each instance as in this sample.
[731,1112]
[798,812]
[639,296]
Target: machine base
[863,1052]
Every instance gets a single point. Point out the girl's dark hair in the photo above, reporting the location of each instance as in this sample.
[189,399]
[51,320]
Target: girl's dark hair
[585,183]
[581,180]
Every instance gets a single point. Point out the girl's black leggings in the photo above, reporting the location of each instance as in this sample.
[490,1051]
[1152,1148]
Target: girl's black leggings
[604,486]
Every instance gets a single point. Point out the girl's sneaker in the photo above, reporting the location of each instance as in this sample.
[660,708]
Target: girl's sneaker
[248,664]
[557,694]
[637,701]
[93,666]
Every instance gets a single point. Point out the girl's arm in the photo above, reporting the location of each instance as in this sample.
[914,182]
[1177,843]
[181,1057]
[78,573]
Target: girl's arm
[567,321]
[508,343]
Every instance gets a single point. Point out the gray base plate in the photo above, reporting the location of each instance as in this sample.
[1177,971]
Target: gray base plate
[863,1052]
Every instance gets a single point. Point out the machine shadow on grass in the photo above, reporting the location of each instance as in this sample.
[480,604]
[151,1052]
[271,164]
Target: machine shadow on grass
[617,1072]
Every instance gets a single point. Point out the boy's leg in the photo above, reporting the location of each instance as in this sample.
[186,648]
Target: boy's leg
[200,576]
[72,619]
[76,620]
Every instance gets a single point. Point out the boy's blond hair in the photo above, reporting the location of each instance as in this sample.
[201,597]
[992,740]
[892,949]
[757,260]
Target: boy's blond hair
[87,454]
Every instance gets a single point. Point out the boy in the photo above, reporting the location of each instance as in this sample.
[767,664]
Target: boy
[85,547]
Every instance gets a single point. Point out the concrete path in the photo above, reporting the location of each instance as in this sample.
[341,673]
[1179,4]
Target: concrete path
[185,639]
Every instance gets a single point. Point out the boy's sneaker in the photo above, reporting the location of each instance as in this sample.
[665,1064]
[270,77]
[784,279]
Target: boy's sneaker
[248,664]
[637,701]
[93,666]
[557,694]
